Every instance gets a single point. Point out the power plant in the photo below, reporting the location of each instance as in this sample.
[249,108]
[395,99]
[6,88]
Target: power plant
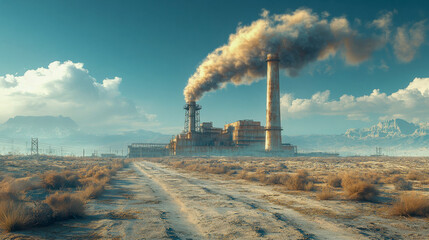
[243,137]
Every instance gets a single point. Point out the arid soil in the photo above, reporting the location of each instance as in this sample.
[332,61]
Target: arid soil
[154,200]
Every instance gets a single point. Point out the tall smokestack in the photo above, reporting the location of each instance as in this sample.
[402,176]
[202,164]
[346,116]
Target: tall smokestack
[273,138]
[192,107]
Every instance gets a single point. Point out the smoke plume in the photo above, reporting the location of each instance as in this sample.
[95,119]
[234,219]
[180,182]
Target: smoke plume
[299,38]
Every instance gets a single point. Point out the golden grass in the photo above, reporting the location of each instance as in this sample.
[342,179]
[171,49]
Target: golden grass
[411,204]
[325,194]
[300,181]
[66,179]
[16,186]
[334,181]
[18,211]
[361,191]
[402,184]
[66,205]
[14,215]
[92,191]
[279,178]
[417,176]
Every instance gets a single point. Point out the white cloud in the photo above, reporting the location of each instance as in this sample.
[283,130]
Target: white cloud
[410,103]
[407,41]
[68,89]
[384,23]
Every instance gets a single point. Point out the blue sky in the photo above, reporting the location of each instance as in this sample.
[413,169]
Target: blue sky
[155,46]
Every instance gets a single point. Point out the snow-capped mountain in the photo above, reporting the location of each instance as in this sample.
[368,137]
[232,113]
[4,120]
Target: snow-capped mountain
[388,129]
[395,137]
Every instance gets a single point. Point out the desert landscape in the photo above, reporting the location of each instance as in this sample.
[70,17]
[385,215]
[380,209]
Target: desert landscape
[215,198]
[190,119]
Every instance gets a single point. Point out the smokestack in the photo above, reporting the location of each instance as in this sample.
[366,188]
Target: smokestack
[192,116]
[192,106]
[273,138]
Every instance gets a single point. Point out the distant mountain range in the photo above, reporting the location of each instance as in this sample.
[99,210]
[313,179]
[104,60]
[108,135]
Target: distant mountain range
[63,132]
[40,126]
[396,128]
[395,137]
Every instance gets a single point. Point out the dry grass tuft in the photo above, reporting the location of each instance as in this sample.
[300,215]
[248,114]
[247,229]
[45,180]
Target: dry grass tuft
[334,181]
[14,215]
[419,176]
[411,204]
[66,179]
[300,181]
[66,205]
[92,191]
[402,184]
[356,189]
[273,179]
[325,194]
[13,187]
[42,214]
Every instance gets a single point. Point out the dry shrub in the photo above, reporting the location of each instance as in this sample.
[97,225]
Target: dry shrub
[241,174]
[356,189]
[372,177]
[334,181]
[391,179]
[300,181]
[325,194]
[66,179]
[216,169]
[92,191]
[42,214]
[251,176]
[411,204]
[15,186]
[14,215]
[276,178]
[66,205]
[414,175]
[402,184]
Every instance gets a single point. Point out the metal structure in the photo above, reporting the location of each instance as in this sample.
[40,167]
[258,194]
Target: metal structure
[192,116]
[378,151]
[34,146]
[273,138]
[136,150]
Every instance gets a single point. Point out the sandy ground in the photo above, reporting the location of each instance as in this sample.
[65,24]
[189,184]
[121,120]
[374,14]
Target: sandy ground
[150,201]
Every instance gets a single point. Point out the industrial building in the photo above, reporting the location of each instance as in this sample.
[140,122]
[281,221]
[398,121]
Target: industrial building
[137,150]
[243,137]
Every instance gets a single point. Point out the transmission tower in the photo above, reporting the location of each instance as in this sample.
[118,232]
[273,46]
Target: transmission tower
[378,151]
[34,146]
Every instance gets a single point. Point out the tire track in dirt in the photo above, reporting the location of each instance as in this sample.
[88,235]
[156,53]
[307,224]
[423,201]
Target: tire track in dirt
[227,209]
[178,225]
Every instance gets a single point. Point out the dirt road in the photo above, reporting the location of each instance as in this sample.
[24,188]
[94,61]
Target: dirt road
[194,208]
[150,201]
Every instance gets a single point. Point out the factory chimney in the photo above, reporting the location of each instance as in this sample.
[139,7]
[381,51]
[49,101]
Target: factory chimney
[273,138]
[192,106]
[192,116]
